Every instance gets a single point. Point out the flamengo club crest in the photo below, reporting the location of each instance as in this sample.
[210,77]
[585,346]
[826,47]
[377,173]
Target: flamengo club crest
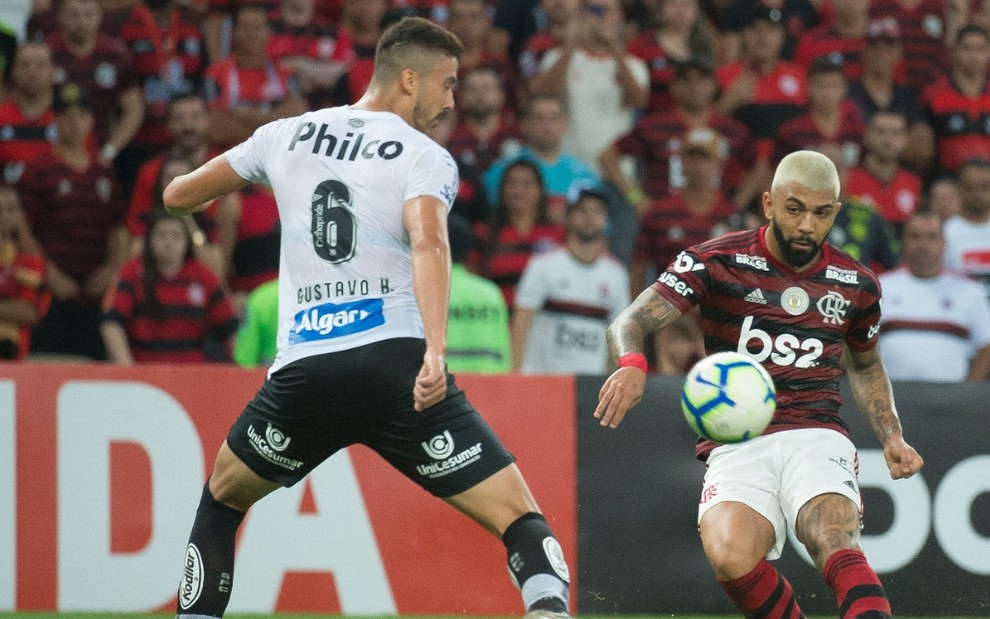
[833,308]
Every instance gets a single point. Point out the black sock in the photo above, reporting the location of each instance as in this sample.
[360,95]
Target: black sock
[208,572]
[536,563]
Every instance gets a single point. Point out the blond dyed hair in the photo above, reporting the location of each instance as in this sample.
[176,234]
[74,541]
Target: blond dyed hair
[808,168]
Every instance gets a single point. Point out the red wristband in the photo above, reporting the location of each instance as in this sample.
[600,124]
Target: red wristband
[633,360]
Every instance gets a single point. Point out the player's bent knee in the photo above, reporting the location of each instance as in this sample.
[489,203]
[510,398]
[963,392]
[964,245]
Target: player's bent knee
[234,484]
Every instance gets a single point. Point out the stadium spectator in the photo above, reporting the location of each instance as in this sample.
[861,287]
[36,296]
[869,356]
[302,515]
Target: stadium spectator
[567,296]
[543,126]
[698,212]
[601,83]
[755,288]
[256,341]
[471,201]
[248,89]
[73,204]
[798,16]
[317,54]
[879,89]
[519,227]
[362,22]
[104,69]
[943,196]
[957,103]
[478,339]
[842,37]
[925,34]
[831,119]
[469,20]
[27,118]
[655,143]
[927,308]
[761,90]
[165,305]
[485,129]
[859,230]
[21,272]
[562,21]
[967,235]
[879,180]
[681,34]
[166,46]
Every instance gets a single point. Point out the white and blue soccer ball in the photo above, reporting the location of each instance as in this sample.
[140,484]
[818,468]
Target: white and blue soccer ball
[728,397]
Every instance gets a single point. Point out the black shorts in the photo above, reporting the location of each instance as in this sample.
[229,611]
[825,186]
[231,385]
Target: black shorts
[310,409]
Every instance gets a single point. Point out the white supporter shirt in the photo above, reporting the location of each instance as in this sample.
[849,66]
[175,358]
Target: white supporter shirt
[341,177]
[574,304]
[967,249]
[597,115]
[931,328]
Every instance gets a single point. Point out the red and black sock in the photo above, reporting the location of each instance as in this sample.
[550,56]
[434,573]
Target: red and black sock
[763,593]
[857,588]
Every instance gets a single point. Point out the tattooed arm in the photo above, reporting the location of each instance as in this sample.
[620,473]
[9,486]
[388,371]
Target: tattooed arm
[874,396]
[624,388]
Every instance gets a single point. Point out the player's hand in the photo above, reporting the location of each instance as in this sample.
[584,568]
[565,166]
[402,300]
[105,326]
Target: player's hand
[431,383]
[902,460]
[621,391]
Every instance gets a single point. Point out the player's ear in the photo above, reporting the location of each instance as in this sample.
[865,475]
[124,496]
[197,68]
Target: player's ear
[409,81]
[767,205]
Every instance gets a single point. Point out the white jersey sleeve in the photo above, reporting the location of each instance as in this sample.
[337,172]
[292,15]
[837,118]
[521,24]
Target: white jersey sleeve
[249,158]
[434,173]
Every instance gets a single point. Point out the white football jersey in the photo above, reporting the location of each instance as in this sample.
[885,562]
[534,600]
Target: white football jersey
[574,304]
[341,177]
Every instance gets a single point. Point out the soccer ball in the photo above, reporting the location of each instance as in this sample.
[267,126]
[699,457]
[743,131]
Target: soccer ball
[728,397]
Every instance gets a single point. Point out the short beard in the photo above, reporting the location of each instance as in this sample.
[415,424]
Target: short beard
[797,258]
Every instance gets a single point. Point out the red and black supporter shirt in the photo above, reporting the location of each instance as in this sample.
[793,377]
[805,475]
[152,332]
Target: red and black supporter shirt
[961,123]
[106,73]
[661,65]
[780,96]
[194,307]
[72,212]
[21,275]
[895,201]
[466,145]
[256,253]
[825,40]
[795,324]
[803,133]
[22,139]
[671,227]
[925,56]
[656,142]
[511,254]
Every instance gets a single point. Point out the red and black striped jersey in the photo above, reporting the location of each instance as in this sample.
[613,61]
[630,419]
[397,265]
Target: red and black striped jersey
[780,96]
[22,139]
[923,49]
[106,73]
[656,142]
[662,67]
[795,324]
[194,306]
[72,212]
[803,133]
[961,123]
[256,253]
[671,227]
[894,200]
[825,40]
[466,145]
[511,254]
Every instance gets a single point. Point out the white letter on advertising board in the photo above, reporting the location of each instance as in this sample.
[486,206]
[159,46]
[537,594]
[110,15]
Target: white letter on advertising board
[963,544]
[338,538]
[8,494]
[92,415]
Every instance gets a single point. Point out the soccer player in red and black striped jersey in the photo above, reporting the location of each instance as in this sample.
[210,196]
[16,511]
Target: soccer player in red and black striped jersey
[795,304]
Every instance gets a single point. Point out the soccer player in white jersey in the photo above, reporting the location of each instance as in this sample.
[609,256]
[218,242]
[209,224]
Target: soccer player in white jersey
[364,278]
[816,307]
[567,296]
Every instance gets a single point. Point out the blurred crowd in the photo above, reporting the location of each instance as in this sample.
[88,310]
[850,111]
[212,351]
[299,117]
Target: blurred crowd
[601,136]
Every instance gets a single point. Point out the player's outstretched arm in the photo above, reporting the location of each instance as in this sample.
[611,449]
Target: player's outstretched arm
[193,192]
[874,396]
[425,219]
[624,388]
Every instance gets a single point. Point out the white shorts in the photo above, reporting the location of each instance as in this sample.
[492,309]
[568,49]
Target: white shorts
[776,474]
